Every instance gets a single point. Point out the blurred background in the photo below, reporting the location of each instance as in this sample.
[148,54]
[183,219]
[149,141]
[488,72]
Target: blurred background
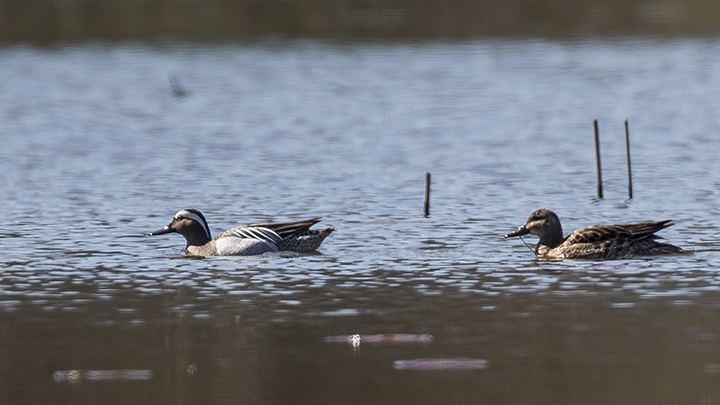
[48,21]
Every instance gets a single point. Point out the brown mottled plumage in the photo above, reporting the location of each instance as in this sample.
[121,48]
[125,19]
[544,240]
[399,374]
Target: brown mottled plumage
[595,242]
[245,240]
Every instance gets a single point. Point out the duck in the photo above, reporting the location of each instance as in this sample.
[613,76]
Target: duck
[244,240]
[595,242]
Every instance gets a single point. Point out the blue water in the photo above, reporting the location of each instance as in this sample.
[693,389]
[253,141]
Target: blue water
[97,152]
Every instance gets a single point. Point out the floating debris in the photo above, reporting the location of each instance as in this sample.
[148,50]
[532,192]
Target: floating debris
[441,364]
[75,376]
[392,338]
[712,368]
[355,341]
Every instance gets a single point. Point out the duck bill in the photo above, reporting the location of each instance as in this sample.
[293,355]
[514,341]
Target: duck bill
[165,229]
[518,232]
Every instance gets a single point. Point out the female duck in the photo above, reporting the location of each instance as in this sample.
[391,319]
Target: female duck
[595,242]
[244,240]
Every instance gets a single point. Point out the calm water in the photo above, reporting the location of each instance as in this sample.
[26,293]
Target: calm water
[96,152]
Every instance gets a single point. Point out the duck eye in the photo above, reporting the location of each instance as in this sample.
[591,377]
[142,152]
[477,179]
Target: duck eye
[538,217]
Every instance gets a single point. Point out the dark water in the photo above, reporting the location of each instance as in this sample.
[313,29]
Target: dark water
[96,152]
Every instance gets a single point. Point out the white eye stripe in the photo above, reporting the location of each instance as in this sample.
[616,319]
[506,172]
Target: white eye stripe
[195,217]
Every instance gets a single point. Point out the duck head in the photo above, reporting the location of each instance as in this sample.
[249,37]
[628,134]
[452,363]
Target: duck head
[544,224]
[191,224]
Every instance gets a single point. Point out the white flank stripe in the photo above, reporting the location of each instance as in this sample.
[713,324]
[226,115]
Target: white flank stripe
[231,246]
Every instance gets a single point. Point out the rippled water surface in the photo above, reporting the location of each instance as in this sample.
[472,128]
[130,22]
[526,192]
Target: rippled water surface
[96,152]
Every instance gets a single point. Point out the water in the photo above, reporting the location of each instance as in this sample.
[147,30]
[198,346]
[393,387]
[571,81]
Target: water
[96,152]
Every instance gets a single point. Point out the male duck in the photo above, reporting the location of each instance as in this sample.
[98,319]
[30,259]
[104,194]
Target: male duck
[594,242]
[244,240]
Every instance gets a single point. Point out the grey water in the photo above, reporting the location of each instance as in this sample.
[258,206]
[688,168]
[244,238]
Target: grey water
[96,152]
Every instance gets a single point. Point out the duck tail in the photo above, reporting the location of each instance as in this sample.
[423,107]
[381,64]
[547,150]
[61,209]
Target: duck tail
[305,241]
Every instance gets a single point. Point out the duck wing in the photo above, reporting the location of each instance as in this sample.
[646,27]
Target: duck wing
[272,232]
[644,229]
[252,231]
[617,241]
[286,229]
[617,233]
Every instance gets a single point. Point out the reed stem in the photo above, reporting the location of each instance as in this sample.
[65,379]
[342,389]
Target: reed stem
[597,159]
[627,148]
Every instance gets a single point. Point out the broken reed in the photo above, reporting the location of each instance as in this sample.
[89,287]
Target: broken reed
[426,201]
